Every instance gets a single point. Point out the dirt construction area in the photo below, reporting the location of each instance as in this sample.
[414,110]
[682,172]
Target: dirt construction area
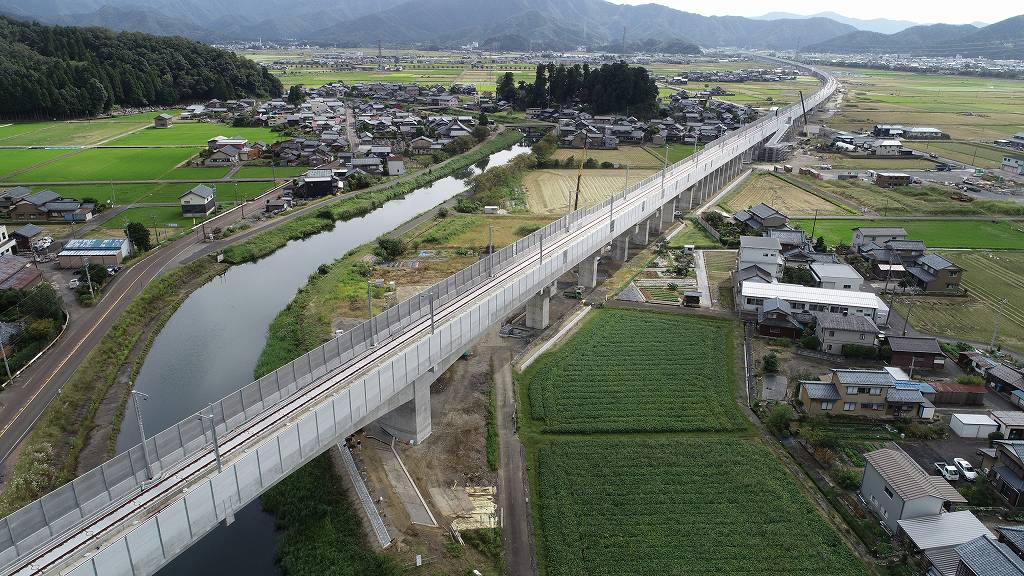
[553,191]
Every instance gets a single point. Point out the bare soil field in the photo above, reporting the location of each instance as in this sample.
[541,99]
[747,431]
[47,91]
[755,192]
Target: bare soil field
[783,196]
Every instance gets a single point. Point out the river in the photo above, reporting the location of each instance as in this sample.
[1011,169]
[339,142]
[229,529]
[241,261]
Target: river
[210,346]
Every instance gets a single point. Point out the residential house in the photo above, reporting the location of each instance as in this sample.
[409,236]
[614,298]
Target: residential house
[834,331]
[7,241]
[760,218]
[32,207]
[933,273]
[1011,423]
[395,165]
[877,236]
[316,184]
[12,196]
[916,353]
[896,488]
[69,210]
[872,393]
[224,155]
[1003,378]
[421,145]
[810,299]
[764,252]
[162,121]
[777,320]
[219,142]
[837,276]
[1013,537]
[105,252]
[888,148]
[24,236]
[984,556]
[198,202]
[1006,468]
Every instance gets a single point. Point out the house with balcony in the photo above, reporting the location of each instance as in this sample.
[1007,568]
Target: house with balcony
[869,393]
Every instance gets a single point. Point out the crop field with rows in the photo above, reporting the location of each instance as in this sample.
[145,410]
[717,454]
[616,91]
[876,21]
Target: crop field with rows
[551,191]
[781,195]
[626,371]
[695,506]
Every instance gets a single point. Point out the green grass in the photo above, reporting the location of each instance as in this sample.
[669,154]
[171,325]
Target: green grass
[195,134]
[11,160]
[701,506]
[270,172]
[621,373]
[122,193]
[493,443]
[76,133]
[935,233]
[676,152]
[981,155]
[101,164]
[321,532]
[162,216]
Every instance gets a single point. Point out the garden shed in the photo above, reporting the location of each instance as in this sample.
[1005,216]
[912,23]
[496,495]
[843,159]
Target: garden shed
[972,425]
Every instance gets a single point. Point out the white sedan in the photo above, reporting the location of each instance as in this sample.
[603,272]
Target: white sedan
[947,471]
[966,470]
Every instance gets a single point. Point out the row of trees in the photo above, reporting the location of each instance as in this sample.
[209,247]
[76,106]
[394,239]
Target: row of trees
[68,72]
[611,88]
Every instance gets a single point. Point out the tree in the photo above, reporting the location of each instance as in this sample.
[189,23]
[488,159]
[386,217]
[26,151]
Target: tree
[780,417]
[771,363]
[138,234]
[388,248]
[480,133]
[539,91]
[296,95]
[819,245]
[506,89]
[482,119]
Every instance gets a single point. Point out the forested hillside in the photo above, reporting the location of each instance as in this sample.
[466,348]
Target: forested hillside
[67,72]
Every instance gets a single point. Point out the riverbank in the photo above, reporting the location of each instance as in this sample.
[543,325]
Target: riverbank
[84,418]
[267,243]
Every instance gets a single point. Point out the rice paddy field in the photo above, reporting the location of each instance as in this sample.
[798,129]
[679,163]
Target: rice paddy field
[106,164]
[973,154]
[1001,235]
[965,107]
[73,133]
[484,79]
[994,282]
[674,481]
[782,195]
[163,192]
[632,156]
[14,161]
[905,200]
[193,134]
[552,191]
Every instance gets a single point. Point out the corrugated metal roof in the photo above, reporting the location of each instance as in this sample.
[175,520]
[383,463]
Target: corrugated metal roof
[904,396]
[795,292]
[975,419]
[835,271]
[1014,534]
[821,390]
[760,242]
[882,231]
[865,377]
[922,345]
[95,244]
[89,252]
[945,560]
[943,530]
[908,479]
[1009,417]
[986,557]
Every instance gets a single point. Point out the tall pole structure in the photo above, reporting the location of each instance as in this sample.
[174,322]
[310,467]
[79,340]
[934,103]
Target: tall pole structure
[579,173]
[804,108]
[142,431]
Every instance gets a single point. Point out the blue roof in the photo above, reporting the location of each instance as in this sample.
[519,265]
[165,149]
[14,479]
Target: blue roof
[1018,394]
[95,244]
[923,387]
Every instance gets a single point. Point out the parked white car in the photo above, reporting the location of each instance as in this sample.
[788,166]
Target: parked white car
[74,283]
[966,470]
[947,471]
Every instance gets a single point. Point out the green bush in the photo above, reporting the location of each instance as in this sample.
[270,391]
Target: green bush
[771,363]
[847,478]
[810,342]
[779,419]
[859,351]
[970,380]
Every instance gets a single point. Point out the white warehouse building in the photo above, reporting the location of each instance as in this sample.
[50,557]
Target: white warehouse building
[806,299]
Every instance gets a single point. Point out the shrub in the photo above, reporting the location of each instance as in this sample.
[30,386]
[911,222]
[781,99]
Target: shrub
[810,342]
[779,418]
[847,478]
[607,165]
[527,229]
[771,363]
[859,351]
[590,163]
[442,212]
[971,380]
[389,248]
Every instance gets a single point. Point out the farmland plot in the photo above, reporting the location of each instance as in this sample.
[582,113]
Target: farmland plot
[626,371]
[781,195]
[633,156]
[680,505]
[551,191]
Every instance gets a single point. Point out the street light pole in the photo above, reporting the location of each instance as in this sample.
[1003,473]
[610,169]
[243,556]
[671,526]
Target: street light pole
[142,431]
[88,278]
[216,443]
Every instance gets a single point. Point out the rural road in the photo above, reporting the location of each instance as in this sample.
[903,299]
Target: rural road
[513,487]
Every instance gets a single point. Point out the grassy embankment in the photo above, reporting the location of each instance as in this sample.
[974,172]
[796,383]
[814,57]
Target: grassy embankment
[49,456]
[267,243]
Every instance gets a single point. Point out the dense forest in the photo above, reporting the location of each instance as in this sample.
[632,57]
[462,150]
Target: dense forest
[68,72]
[611,88]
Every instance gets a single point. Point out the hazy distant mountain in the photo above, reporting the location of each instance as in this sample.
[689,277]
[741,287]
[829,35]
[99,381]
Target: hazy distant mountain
[883,25]
[1003,39]
[509,24]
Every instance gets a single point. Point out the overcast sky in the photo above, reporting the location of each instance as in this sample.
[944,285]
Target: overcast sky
[923,11]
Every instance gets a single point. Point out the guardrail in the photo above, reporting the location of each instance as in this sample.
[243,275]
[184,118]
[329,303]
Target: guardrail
[122,477]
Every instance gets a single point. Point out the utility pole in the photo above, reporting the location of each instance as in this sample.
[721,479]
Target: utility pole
[579,173]
[995,328]
[664,167]
[142,431]
[216,443]
[490,251]
[912,361]
[814,224]
[906,319]
[430,303]
[369,305]
[88,278]
[3,349]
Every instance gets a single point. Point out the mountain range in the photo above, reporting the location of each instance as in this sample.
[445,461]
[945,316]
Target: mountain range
[511,25]
[1004,39]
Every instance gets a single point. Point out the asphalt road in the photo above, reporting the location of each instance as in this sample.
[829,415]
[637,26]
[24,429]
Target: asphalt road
[513,487]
